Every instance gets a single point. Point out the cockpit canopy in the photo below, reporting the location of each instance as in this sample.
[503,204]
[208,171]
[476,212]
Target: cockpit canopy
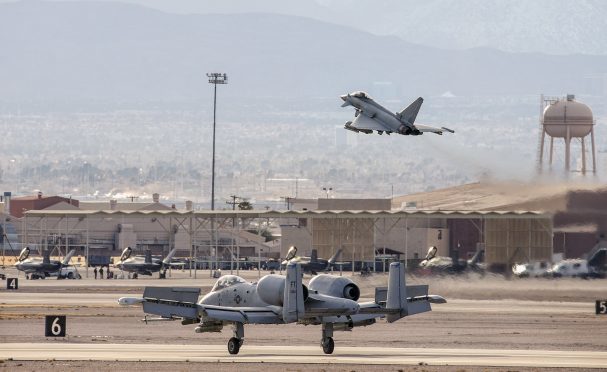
[227,281]
[360,94]
[25,252]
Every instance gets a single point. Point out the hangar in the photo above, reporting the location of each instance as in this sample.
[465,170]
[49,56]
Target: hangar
[512,222]
[220,235]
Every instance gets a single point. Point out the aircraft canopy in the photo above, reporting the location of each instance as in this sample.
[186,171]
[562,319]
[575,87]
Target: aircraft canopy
[227,281]
[360,94]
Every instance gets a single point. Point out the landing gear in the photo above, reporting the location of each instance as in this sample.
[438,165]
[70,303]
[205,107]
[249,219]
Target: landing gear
[234,346]
[236,342]
[327,338]
[328,345]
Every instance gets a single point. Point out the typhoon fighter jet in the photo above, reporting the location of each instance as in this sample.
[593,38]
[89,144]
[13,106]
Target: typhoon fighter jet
[329,301]
[144,265]
[40,267]
[312,264]
[371,116]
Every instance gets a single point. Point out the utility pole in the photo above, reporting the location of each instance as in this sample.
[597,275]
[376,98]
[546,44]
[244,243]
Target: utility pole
[234,203]
[287,200]
[215,78]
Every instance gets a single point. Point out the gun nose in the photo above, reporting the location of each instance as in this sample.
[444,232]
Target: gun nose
[344,97]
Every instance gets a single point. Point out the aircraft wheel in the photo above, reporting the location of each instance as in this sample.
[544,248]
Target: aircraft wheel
[70,275]
[328,345]
[234,346]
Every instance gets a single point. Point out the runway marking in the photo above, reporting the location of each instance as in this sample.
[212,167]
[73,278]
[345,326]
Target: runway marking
[303,354]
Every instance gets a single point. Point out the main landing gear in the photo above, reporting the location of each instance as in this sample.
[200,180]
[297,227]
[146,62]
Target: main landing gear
[236,342]
[327,342]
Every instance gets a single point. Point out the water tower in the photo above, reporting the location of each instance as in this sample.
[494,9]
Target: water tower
[568,119]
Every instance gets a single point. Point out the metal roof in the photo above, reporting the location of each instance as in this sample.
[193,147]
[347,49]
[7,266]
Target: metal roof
[451,214]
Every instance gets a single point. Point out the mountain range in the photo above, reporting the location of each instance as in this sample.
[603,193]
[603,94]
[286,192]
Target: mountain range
[127,54]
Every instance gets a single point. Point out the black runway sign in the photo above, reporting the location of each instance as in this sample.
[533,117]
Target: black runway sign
[12,284]
[55,326]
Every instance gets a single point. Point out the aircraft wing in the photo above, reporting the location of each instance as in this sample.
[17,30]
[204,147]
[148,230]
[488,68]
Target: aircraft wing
[427,128]
[364,122]
[255,315]
[173,303]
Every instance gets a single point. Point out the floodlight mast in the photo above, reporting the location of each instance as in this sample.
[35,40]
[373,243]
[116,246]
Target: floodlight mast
[215,78]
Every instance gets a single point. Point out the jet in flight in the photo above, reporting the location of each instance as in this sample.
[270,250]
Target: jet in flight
[328,300]
[40,267]
[371,116]
[312,264]
[144,265]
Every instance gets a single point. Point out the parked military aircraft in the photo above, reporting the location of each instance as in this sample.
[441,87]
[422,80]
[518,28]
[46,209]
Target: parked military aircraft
[330,301]
[312,264]
[447,265]
[40,267]
[144,265]
[371,116]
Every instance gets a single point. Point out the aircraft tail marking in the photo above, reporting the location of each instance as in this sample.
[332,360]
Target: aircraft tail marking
[293,298]
[410,113]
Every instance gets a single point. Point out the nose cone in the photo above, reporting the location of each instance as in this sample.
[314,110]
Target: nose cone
[346,100]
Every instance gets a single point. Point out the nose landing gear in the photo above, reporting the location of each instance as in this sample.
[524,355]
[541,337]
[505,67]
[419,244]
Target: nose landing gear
[236,342]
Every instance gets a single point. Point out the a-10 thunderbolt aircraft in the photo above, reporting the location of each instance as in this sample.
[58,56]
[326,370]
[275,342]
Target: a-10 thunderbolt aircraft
[371,116]
[40,267]
[144,265]
[330,301]
[312,264]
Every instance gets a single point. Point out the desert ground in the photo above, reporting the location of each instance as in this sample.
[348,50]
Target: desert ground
[484,312]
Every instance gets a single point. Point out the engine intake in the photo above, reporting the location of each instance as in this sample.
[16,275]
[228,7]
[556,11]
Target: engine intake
[271,289]
[336,286]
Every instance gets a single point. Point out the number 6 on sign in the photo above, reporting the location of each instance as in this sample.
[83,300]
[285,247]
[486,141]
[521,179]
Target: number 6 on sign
[55,325]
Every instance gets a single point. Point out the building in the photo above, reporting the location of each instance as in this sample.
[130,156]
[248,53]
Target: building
[21,204]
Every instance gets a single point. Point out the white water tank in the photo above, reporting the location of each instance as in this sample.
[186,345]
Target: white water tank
[568,113]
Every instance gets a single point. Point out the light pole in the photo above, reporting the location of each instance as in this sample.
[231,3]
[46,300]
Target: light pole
[215,78]
[327,190]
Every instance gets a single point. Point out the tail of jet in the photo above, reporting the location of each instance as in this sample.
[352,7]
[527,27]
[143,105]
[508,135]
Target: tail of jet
[335,257]
[314,256]
[409,114]
[398,300]
[167,259]
[397,292]
[293,294]
[68,257]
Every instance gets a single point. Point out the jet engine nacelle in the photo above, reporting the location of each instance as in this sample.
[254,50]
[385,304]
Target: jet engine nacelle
[336,286]
[406,130]
[126,253]
[25,252]
[271,288]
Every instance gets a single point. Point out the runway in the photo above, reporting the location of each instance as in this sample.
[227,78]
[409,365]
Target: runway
[303,355]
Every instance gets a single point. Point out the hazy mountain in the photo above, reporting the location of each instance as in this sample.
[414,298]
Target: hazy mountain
[61,52]
[547,26]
